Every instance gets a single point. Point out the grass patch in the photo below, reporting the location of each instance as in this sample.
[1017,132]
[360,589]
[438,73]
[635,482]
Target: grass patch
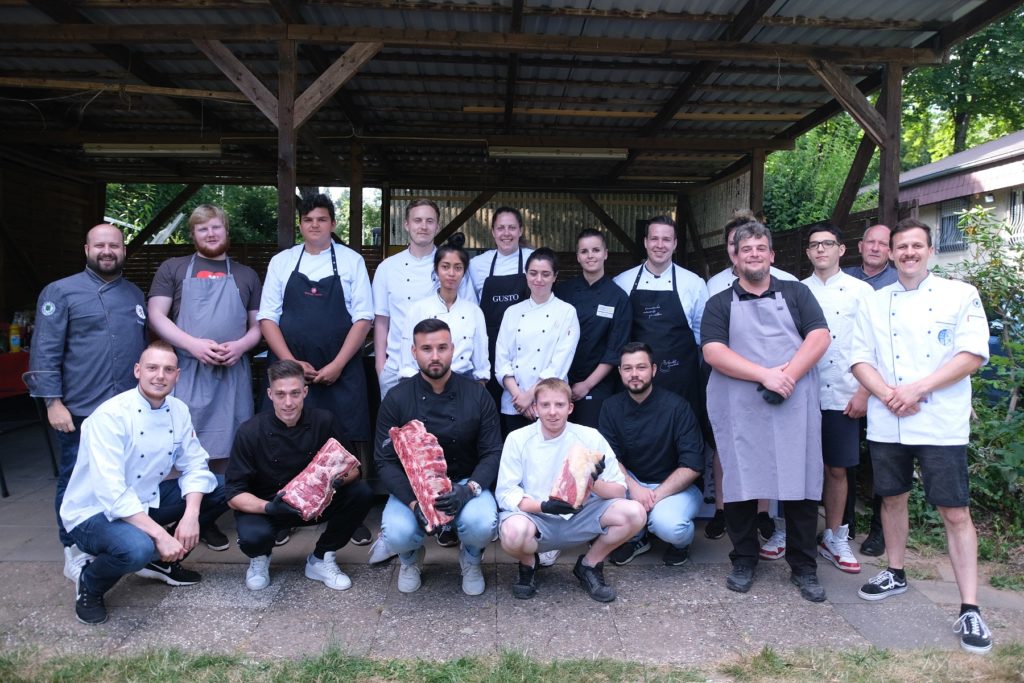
[1008,581]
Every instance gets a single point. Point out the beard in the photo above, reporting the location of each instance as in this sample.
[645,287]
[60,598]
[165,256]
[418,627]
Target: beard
[106,268]
[436,371]
[213,252]
[641,389]
[752,275]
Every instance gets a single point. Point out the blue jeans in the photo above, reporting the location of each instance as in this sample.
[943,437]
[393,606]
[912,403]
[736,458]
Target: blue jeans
[475,524]
[671,519]
[121,548]
[68,457]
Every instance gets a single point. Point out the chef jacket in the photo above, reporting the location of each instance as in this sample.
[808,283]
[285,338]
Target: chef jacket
[480,267]
[807,314]
[720,281]
[536,341]
[605,318]
[839,298]
[399,282]
[883,278]
[355,281]
[89,333]
[693,293]
[469,335]
[653,438]
[463,419]
[908,334]
[267,453]
[128,447]
[530,463]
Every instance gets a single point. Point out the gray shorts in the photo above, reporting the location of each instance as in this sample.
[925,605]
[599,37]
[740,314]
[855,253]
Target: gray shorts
[943,472]
[554,532]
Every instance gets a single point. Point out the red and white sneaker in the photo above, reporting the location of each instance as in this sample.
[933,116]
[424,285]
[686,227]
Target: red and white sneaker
[775,547]
[835,547]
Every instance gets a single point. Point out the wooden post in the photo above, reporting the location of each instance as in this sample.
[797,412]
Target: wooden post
[385,218]
[757,181]
[889,168]
[286,144]
[355,199]
[683,256]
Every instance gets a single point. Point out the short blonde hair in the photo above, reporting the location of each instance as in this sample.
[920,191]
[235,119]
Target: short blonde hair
[554,384]
[205,212]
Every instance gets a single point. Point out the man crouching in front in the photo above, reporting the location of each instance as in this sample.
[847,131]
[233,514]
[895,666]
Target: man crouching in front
[531,522]
[119,503]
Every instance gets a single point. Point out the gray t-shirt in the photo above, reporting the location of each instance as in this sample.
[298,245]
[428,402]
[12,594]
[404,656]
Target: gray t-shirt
[171,273]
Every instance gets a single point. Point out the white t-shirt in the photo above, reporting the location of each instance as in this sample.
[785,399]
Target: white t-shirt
[355,281]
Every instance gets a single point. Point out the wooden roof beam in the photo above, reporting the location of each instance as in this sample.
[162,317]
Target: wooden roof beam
[973,21]
[854,102]
[512,72]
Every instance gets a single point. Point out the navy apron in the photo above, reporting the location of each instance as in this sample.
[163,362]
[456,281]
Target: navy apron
[498,294]
[315,322]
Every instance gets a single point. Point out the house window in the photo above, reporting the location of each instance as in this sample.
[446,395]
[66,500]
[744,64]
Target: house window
[1016,214]
[950,236]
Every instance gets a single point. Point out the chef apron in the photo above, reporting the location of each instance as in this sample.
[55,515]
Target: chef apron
[594,331]
[498,294]
[768,451]
[315,322]
[660,321]
[218,397]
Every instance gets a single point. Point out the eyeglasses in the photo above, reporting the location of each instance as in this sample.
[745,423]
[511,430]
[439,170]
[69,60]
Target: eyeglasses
[827,244]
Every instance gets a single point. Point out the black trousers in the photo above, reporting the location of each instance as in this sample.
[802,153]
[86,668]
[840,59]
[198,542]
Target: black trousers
[801,533]
[348,509]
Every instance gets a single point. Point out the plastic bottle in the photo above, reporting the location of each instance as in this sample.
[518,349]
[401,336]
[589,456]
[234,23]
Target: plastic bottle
[14,337]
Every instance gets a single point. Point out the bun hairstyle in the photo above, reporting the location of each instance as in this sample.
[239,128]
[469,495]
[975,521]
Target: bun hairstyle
[453,245]
[739,217]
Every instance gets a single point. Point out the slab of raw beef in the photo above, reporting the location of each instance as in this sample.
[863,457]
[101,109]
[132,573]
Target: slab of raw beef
[426,468]
[311,490]
[574,482]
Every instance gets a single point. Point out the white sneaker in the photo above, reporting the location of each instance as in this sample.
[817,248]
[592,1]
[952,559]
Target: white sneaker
[775,547]
[74,561]
[547,559]
[380,551]
[472,576]
[257,576]
[327,572]
[836,549]
[409,574]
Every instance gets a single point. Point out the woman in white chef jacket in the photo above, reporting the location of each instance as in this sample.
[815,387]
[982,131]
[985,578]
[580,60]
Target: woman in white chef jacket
[537,340]
[464,317]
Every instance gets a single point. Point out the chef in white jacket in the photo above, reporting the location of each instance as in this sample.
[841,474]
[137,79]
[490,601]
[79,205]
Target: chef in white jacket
[537,340]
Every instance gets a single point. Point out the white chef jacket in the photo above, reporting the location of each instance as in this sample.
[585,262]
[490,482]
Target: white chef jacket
[720,281]
[693,293]
[398,282]
[127,448]
[839,298]
[480,267]
[907,335]
[530,463]
[469,335]
[535,341]
[351,271]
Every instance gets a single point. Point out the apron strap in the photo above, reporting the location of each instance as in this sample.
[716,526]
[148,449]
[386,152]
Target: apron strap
[334,261]
[191,263]
[639,272]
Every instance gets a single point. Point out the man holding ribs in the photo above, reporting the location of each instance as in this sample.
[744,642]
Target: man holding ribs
[461,415]
[268,452]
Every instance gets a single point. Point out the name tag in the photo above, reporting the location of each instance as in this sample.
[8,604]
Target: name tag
[605,311]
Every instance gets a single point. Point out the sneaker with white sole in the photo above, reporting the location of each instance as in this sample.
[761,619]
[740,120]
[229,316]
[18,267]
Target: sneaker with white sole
[472,576]
[327,572]
[74,561]
[835,547]
[775,547]
[171,573]
[380,551]
[882,585]
[257,576]
[974,634]
[361,536]
[409,574]
[548,558]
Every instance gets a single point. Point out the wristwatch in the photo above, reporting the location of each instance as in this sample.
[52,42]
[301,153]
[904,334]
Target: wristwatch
[474,487]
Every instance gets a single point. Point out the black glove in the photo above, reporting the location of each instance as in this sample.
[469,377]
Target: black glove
[452,503]
[598,469]
[346,480]
[772,397]
[422,521]
[278,507]
[557,507]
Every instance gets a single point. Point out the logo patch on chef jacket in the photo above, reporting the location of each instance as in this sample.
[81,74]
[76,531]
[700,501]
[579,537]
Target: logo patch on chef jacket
[48,308]
[946,337]
[139,311]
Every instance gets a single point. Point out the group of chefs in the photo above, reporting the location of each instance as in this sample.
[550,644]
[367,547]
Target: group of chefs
[764,384]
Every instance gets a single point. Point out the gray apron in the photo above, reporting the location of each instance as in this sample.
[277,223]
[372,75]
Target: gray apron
[218,397]
[767,451]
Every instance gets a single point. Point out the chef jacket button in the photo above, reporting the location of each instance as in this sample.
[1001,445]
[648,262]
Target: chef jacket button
[141,433]
[153,494]
[168,453]
[142,455]
[140,410]
[138,476]
[170,431]
[161,474]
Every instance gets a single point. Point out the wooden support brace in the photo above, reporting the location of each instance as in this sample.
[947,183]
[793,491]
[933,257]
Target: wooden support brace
[285,144]
[851,98]
[889,157]
[757,181]
[607,221]
[686,215]
[855,176]
[161,218]
[331,80]
[239,74]
[463,216]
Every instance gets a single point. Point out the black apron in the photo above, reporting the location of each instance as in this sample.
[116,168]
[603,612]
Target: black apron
[594,331]
[498,294]
[660,321]
[315,322]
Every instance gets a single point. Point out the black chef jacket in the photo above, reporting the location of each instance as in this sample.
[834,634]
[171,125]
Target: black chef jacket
[462,417]
[605,316]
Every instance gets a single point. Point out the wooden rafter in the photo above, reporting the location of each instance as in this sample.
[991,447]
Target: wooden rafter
[853,101]
[239,74]
[512,72]
[607,221]
[331,80]
[855,176]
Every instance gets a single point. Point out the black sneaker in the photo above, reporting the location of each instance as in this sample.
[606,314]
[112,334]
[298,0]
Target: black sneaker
[740,579]
[171,573]
[213,537]
[874,544]
[675,557]
[625,553]
[765,525]
[525,588]
[447,537]
[361,536]
[592,580]
[810,588]
[882,585]
[89,607]
[716,527]
[283,536]
[974,634]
